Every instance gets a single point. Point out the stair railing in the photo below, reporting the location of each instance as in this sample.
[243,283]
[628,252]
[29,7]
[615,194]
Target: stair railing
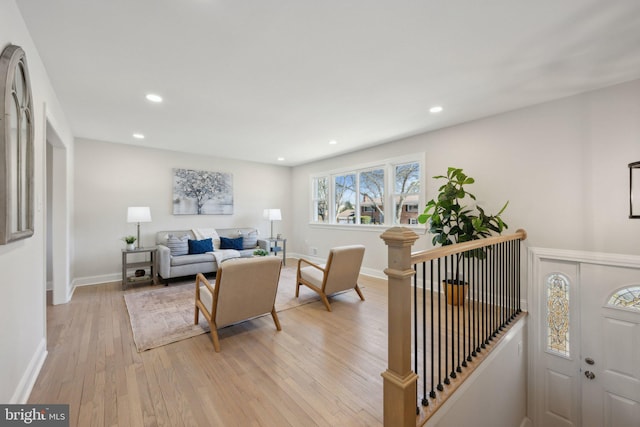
[446,306]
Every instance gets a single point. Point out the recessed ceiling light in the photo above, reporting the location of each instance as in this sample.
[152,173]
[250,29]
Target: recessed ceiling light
[153,97]
[138,136]
[435,109]
[281,159]
[333,142]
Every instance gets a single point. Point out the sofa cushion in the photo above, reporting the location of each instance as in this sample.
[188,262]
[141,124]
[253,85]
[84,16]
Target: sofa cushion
[192,259]
[228,243]
[200,246]
[178,245]
[204,233]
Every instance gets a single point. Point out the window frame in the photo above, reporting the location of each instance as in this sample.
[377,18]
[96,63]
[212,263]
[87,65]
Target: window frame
[389,197]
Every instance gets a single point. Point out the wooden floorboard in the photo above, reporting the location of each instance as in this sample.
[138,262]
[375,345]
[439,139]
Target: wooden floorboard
[322,369]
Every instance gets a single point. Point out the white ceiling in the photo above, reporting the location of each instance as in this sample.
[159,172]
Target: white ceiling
[257,79]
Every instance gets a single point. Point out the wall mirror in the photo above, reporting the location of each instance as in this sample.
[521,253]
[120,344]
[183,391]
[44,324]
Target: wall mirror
[634,190]
[16,147]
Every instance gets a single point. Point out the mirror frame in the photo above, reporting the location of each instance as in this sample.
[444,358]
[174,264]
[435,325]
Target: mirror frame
[16,148]
[634,172]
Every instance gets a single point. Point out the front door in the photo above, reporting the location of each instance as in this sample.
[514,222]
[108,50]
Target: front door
[610,356]
[585,340]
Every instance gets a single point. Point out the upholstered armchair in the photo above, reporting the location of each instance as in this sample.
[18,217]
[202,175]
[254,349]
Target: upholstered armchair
[244,288]
[340,273]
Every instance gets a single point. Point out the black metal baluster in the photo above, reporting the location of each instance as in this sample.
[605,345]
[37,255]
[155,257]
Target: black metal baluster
[471,309]
[415,327]
[466,283]
[440,386]
[500,288]
[460,326]
[453,341]
[518,265]
[425,402]
[494,294]
[433,378]
[485,300]
[512,281]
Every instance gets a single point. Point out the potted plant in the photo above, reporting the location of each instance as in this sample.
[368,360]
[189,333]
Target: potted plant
[260,252]
[130,240]
[451,221]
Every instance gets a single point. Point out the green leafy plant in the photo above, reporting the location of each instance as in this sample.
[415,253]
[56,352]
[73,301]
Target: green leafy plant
[451,221]
[129,239]
[260,252]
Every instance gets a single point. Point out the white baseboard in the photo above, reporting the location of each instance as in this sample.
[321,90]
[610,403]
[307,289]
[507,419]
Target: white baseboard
[28,380]
[526,422]
[96,280]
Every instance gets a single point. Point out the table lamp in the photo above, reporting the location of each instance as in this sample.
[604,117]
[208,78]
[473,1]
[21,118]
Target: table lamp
[139,214]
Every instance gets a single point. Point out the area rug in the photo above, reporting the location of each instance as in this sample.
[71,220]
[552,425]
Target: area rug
[160,316]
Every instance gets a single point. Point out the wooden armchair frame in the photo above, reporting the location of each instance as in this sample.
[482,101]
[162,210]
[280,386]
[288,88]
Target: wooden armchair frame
[330,284]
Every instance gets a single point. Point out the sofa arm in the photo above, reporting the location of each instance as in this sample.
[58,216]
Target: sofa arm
[263,244]
[164,261]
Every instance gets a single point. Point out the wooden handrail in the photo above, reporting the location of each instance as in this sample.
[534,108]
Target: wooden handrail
[458,248]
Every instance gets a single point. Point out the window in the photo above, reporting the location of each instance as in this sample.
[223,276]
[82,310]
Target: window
[365,194]
[344,190]
[371,190]
[406,192]
[321,199]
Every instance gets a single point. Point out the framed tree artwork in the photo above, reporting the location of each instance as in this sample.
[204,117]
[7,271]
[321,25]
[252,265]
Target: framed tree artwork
[202,192]
[16,147]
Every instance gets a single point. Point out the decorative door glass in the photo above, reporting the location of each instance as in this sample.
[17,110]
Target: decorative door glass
[558,314]
[626,298]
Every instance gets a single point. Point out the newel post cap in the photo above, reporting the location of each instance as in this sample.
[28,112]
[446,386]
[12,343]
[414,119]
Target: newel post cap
[399,236]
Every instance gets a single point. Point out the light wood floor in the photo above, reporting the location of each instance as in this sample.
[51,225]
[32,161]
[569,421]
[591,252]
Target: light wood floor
[323,368]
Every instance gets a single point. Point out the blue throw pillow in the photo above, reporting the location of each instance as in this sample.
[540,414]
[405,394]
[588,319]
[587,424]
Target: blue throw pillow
[227,243]
[200,246]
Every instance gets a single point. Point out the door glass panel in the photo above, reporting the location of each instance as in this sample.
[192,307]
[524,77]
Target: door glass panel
[558,314]
[626,298]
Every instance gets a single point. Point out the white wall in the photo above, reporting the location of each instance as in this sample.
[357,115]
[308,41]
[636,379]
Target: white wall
[110,177]
[22,263]
[495,394]
[562,166]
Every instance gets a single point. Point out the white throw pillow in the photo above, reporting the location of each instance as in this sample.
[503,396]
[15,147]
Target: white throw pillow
[205,233]
[178,245]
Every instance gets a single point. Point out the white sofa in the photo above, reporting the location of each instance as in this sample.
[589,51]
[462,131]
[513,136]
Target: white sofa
[172,265]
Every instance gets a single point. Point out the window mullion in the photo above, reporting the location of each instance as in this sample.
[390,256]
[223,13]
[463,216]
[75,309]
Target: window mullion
[357,207]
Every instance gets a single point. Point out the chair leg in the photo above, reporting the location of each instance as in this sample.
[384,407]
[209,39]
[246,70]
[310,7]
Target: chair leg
[359,292]
[197,315]
[275,319]
[297,289]
[214,333]
[325,300]
[216,341]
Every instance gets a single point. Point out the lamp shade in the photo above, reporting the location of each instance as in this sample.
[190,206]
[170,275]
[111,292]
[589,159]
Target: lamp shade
[139,214]
[272,214]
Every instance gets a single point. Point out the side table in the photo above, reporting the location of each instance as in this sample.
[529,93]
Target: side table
[274,246]
[129,278]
